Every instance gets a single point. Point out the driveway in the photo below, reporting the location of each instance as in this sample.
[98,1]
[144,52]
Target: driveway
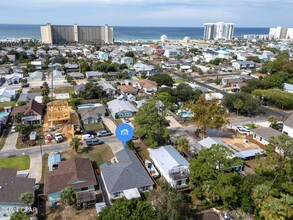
[173,123]
[35,170]
[110,124]
[10,143]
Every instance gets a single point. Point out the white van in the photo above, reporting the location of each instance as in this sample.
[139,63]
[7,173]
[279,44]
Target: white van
[87,137]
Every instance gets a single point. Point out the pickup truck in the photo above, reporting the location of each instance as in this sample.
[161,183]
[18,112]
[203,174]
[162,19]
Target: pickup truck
[94,142]
[58,137]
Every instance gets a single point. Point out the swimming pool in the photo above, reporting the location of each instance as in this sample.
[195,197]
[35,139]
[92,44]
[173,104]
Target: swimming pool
[3,116]
[88,105]
[185,114]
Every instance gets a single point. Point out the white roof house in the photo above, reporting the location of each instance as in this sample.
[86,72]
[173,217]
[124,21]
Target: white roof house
[171,164]
[121,109]
[288,87]
[6,95]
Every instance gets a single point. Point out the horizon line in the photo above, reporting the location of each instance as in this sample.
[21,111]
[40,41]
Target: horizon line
[147,26]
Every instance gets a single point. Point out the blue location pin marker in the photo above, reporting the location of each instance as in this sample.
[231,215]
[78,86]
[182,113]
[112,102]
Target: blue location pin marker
[124,132]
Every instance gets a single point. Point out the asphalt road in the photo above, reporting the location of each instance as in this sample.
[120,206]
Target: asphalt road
[267,111]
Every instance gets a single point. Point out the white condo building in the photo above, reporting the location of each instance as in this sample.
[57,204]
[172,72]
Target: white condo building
[219,30]
[164,38]
[280,33]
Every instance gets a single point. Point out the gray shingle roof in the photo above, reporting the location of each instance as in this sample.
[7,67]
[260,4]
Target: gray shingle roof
[118,106]
[128,173]
[266,133]
[12,187]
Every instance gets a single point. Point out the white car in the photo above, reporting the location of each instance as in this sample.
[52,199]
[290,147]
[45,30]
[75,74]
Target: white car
[242,130]
[58,137]
[87,137]
[13,129]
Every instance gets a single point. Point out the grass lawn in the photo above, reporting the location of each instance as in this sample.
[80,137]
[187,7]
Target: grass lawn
[96,126]
[179,81]
[44,166]
[33,90]
[250,126]
[4,104]
[3,138]
[66,89]
[97,154]
[19,163]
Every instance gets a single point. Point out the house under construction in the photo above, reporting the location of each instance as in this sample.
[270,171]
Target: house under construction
[58,112]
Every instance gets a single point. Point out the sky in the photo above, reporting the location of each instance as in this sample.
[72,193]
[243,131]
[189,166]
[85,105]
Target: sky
[161,13]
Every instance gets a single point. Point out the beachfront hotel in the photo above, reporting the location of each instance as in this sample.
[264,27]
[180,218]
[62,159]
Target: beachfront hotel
[219,30]
[280,33]
[58,34]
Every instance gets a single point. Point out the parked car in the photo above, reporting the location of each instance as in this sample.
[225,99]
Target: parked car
[227,216]
[242,130]
[24,137]
[13,129]
[104,133]
[33,136]
[87,137]
[24,85]
[235,90]
[94,142]
[89,132]
[58,137]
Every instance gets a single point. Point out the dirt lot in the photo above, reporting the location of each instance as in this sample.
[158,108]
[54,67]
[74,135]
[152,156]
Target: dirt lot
[239,143]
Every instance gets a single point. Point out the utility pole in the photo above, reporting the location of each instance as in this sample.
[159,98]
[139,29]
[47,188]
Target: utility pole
[52,90]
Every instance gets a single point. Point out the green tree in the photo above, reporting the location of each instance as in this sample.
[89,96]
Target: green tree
[273,120]
[27,198]
[285,143]
[19,215]
[162,79]
[75,143]
[182,144]
[150,125]
[130,145]
[211,173]
[207,114]
[238,104]
[92,91]
[128,209]
[166,98]
[18,117]
[30,68]
[5,59]
[83,66]
[253,58]
[68,195]
[170,203]
[130,54]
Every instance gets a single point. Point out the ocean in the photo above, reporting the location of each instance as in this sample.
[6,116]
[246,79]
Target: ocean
[128,33]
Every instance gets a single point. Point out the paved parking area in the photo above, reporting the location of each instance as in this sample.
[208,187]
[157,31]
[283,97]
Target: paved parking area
[172,122]
[10,144]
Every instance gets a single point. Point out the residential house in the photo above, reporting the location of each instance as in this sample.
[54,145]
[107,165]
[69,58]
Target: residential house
[141,67]
[92,115]
[11,188]
[32,112]
[147,86]
[4,70]
[108,88]
[103,56]
[37,63]
[14,77]
[127,89]
[210,55]
[263,135]
[126,178]
[76,75]
[78,88]
[7,95]
[26,97]
[71,67]
[171,165]
[234,81]
[127,60]
[121,109]
[240,65]
[288,126]
[93,74]
[288,87]
[76,173]
[171,53]
[11,57]
[54,66]
[57,75]
[36,76]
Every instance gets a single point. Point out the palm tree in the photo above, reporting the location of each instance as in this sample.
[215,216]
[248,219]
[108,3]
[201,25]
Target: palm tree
[238,104]
[68,195]
[182,144]
[273,120]
[27,198]
[75,143]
